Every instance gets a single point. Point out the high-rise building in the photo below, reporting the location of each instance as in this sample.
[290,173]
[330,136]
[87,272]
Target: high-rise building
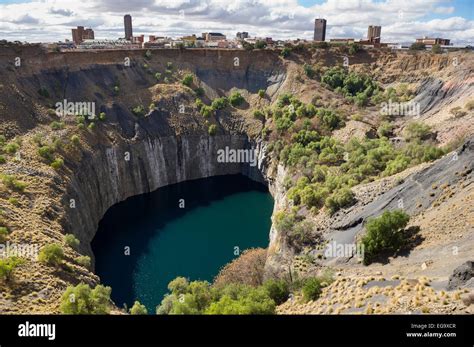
[373,33]
[319,29]
[127,19]
[80,34]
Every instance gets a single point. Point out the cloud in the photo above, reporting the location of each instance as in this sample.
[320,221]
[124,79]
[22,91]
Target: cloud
[61,12]
[26,19]
[401,20]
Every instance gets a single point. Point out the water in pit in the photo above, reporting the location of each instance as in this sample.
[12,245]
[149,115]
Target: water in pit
[166,241]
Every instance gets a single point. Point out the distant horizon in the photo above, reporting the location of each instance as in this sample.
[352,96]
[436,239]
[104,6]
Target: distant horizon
[402,22]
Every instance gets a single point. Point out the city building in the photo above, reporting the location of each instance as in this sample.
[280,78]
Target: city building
[342,41]
[242,35]
[213,36]
[108,44]
[138,39]
[319,29]
[374,33]
[80,34]
[127,19]
[434,41]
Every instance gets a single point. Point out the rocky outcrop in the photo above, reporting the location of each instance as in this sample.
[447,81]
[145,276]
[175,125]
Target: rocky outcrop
[461,275]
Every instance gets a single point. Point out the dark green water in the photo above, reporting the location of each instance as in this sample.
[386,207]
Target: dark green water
[166,241]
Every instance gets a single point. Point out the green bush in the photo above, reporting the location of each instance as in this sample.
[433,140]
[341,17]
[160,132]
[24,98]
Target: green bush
[220,103]
[257,114]
[384,233]
[2,159]
[138,309]
[261,93]
[340,199]
[212,130]
[285,52]
[418,46]
[416,131]
[51,254]
[385,129]
[7,266]
[207,111]
[3,233]
[199,91]
[329,119]
[102,116]
[311,289]
[284,221]
[12,183]
[277,289]
[71,241]
[13,201]
[81,299]
[436,49]
[309,71]
[188,80]
[158,76]
[57,125]
[43,92]
[83,260]
[46,152]
[138,111]
[11,148]
[57,163]
[91,126]
[75,140]
[236,99]
[116,90]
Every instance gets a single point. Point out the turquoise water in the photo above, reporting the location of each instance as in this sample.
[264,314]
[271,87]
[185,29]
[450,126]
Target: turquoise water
[148,240]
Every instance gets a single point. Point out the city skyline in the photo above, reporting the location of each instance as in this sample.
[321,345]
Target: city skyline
[402,21]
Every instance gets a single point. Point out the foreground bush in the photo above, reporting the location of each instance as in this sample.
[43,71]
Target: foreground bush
[138,309]
[52,254]
[7,266]
[81,299]
[246,269]
[72,241]
[278,290]
[383,234]
[311,289]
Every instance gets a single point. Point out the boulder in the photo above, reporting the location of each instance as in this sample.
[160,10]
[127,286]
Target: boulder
[461,275]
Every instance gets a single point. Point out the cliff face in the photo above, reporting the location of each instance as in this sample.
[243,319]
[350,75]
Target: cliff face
[110,175]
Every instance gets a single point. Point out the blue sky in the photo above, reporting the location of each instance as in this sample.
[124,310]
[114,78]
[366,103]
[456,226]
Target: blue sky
[402,20]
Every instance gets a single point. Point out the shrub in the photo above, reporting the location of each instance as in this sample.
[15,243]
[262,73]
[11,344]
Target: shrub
[169,65]
[469,105]
[2,159]
[11,148]
[284,222]
[436,49]
[81,299]
[57,125]
[83,260]
[138,111]
[329,119]
[340,199]
[46,152]
[417,131]
[3,233]
[248,269]
[384,233]
[102,116]
[13,201]
[207,111]
[8,265]
[277,290]
[43,92]
[418,46]
[212,130]
[354,48]
[311,289]
[71,241]
[458,112]
[12,183]
[261,93]
[199,91]
[158,76]
[148,54]
[52,254]
[187,80]
[385,129]
[309,71]
[75,140]
[236,99]
[91,126]
[3,140]
[57,163]
[138,309]
[219,103]
[285,52]
[116,90]
[257,114]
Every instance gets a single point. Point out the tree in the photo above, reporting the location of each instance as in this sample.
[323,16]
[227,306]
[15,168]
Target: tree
[248,268]
[311,289]
[51,254]
[278,290]
[260,44]
[384,233]
[138,309]
[7,266]
[418,46]
[81,299]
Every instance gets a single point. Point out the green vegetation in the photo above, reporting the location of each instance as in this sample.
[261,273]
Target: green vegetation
[43,92]
[7,267]
[57,163]
[219,103]
[102,116]
[385,129]
[83,260]
[148,54]
[417,46]
[2,159]
[13,201]
[12,183]
[236,99]
[309,71]
[354,48]
[57,125]
[138,309]
[358,88]
[207,111]
[51,254]
[384,234]
[91,126]
[285,52]
[3,233]
[260,44]
[257,114]
[116,90]
[81,299]
[261,93]
[188,80]
[75,140]
[416,131]
[311,289]
[212,130]
[46,152]
[11,148]
[436,49]
[71,241]
[139,111]
[158,76]
[277,290]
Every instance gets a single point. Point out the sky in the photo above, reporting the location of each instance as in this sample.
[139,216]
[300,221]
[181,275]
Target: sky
[402,20]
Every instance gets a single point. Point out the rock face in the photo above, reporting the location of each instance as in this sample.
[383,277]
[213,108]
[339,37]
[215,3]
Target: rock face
[461,275]
[111,175]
